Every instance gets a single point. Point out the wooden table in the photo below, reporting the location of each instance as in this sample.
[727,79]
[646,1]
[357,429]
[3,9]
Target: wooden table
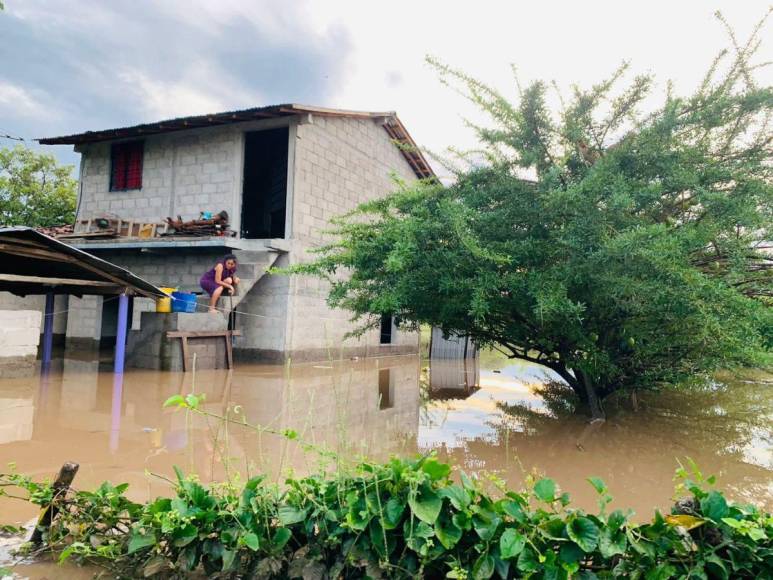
[226,334]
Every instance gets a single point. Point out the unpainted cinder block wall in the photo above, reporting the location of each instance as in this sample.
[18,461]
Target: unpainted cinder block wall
[339,163]
[182,174]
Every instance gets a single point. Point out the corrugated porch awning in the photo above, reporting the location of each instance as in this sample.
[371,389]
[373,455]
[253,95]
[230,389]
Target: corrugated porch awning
[33,263]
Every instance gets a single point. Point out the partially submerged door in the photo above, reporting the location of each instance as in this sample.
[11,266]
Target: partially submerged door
[264,197]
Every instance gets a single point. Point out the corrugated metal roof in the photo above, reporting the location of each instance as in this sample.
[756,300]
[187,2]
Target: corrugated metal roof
[34,263]
[392,125]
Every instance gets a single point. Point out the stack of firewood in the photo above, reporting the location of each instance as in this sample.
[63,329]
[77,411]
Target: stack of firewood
[55,231]
[204,226]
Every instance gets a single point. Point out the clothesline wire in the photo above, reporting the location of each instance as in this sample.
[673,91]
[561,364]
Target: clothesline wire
[198,305]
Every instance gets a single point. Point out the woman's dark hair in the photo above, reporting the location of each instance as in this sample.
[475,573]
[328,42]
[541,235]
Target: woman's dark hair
[229,257]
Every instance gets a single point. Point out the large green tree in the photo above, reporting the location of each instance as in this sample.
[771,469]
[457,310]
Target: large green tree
[34,189]
[623,250]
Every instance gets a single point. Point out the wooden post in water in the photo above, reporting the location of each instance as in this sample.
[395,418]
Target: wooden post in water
[61,485]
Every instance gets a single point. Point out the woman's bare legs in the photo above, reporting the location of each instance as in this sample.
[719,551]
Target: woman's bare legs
[213,300]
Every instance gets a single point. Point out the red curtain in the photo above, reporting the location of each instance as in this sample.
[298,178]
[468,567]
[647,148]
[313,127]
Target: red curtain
[127,166]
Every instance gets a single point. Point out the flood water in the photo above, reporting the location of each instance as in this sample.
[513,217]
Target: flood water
[490,416]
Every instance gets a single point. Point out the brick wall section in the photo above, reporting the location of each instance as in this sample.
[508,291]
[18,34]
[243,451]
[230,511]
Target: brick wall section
[182,173]
[339,163]
[19,333]
[37,302]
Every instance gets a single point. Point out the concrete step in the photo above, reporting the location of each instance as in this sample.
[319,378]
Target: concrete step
[252,267]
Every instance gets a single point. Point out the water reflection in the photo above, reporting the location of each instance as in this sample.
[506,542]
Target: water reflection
[478,414]
[519,422]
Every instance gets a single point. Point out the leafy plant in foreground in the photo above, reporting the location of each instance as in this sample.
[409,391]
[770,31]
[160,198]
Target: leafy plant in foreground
[402,519]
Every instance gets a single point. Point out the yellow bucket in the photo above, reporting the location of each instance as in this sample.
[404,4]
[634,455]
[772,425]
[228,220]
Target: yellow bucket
[165,304]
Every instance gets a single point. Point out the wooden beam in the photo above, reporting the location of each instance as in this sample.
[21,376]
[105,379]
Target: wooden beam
[66,258]
[47,281]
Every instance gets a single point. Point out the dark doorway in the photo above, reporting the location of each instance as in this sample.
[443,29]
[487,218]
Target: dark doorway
[264,198]
[386,329]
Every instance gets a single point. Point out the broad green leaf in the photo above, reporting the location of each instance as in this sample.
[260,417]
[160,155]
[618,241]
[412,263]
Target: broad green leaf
[426,504]
[732,522]
[393,511]
[447,532]
[514,510]
[140,541]
[486,525]
[251,541]
[175,400]
[612,542]
[289,515]
[483,569]
[570,553]
[281,537]
[528,561]
[598,484]
[545,490]
[616,520]
[661,572]
[714,506]
[379,539]
[184,536]
[511,543]
[584,533]
[435,469]
[717,567]
[457,495]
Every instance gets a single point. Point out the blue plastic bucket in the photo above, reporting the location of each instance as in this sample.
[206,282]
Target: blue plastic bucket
[183,302]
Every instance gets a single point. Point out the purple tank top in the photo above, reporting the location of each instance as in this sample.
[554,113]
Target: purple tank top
[209,276]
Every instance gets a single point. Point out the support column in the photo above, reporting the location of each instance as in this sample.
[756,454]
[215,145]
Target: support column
[120,335]
[115,411]
[48,330]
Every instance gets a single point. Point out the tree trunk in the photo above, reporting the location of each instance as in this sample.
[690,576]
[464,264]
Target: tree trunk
[584,388]
[591,398]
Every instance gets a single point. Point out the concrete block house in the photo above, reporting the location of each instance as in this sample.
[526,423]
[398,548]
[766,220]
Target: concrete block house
[281,173]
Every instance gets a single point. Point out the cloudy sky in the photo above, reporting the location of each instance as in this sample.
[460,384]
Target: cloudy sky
[73,65]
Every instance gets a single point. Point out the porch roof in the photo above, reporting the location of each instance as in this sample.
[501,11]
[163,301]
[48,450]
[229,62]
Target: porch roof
[34,263]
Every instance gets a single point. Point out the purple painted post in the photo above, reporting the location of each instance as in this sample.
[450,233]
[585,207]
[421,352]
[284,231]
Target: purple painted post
[120,335]
[48,330]
[115,411]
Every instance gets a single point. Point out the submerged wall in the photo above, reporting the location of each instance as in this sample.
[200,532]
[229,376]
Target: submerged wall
[19,339]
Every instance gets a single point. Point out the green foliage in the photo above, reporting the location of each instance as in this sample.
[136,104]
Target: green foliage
[34,190]
[621,250]
[402,519]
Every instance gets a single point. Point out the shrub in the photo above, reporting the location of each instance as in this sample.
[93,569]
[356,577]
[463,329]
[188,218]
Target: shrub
[404,518]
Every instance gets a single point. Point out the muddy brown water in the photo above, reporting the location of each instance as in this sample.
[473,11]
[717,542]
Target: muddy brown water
[486,417]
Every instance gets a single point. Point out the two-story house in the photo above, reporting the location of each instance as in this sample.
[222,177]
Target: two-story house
[281,173]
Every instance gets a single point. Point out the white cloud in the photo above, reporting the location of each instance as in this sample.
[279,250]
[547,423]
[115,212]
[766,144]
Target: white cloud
[16,101]
[162,99]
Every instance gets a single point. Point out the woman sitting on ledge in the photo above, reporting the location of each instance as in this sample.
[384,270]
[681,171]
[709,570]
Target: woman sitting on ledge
[221,277]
